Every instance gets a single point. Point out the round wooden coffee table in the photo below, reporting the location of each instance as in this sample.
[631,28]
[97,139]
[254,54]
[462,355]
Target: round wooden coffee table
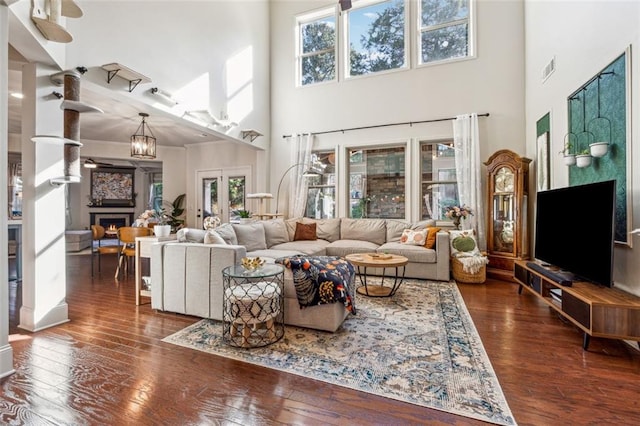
[377,260]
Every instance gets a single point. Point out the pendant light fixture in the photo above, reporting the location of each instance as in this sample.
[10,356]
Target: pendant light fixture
[143,145]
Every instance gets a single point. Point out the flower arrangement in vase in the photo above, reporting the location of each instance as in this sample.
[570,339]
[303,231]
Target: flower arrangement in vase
[458,213]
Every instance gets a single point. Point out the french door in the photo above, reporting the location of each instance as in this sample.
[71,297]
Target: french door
[222,192]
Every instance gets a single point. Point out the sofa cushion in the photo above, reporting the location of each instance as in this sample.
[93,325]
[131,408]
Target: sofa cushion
[275,232]
[395,229]
[227,232]
[371,230]
[212,237]
[291,226]
[270,255]
[424,224]
[345,247]
[250,235]
[415,254]
[191,235]
[327,229]
[313,247]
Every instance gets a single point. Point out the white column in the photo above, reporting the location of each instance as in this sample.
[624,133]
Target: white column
[6,352]
[43,220]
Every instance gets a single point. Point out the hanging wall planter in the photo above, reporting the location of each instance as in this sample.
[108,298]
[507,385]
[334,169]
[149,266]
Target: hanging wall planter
[569,159]
[598,149]
[583,160]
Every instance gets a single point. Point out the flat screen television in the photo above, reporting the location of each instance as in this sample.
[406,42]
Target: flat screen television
[575,230]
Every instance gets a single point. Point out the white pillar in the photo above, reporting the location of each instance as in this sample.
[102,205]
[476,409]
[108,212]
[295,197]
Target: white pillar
[43,219]
[6,352]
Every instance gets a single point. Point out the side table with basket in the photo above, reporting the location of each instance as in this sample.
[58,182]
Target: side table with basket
[253,305]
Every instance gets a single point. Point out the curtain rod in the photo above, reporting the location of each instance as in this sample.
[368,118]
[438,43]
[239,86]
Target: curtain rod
[410,123]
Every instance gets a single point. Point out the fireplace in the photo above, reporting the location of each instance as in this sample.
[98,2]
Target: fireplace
[111,220]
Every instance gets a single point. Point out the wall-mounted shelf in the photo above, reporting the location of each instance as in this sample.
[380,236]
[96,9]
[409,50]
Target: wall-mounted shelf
[79,106]
[134,78]
[55,140]
[63,180]
[52,31]
[70,9]
[252,134]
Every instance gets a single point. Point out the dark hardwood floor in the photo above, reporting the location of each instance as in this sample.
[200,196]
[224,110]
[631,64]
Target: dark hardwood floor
[108,366]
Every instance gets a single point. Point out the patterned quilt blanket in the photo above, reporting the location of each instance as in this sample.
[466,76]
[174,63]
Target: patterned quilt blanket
[322,279]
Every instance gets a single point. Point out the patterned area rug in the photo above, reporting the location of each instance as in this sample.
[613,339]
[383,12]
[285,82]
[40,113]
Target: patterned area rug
[420,347]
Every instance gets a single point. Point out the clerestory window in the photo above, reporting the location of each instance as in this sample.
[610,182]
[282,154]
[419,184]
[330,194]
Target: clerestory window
[317,47]
[376,33]
[444,30]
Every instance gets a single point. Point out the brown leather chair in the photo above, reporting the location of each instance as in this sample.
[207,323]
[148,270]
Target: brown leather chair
[97,233]
[127,237]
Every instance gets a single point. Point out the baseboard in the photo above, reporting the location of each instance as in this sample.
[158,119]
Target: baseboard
[56,316]
[6,361]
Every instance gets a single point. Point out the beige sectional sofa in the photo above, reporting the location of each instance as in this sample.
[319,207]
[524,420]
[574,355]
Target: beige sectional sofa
[186,275]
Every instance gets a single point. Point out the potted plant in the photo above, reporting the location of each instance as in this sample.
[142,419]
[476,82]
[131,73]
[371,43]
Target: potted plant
[584,158]
[568,157]
[244,215]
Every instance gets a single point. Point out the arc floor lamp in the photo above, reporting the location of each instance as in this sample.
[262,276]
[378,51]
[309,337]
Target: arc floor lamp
[308,173]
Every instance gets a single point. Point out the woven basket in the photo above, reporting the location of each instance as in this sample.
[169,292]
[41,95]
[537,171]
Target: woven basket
[464,277]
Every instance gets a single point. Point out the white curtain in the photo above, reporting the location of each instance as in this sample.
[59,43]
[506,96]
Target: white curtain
[466,141]
[302,147]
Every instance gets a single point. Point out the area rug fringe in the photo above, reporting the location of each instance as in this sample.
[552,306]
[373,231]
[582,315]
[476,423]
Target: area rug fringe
[420,347]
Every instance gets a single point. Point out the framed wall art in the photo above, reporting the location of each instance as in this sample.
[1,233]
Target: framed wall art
[113,187]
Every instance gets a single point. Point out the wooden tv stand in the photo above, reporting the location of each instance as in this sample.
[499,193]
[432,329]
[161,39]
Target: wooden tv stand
[597,311]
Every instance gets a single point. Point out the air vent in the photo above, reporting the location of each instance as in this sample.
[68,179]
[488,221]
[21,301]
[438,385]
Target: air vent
[549,69]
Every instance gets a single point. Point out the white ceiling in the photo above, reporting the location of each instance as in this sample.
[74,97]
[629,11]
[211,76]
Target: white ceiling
[120,119]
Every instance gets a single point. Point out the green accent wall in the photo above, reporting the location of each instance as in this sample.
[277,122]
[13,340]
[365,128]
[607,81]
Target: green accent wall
[543,125]
[604,119]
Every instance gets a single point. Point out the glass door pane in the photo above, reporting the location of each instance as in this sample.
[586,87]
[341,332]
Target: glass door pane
[210,201]
[237,193]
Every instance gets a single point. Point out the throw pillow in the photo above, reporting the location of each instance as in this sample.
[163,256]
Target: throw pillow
[275,232]
[464,243]
[305,231]
[251,236]
[227,233]
[212,237]
[430,243]
[414,237]
[190,235]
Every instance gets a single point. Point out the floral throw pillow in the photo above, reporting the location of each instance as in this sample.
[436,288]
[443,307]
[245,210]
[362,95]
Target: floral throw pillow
[414,237]
[464,243]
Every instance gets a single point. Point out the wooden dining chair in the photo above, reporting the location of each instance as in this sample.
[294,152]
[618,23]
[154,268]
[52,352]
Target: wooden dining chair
[127,237]
[97,235]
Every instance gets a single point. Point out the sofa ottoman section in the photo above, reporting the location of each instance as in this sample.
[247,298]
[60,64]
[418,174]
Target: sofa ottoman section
[77,240]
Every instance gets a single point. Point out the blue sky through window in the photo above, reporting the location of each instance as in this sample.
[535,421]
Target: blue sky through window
[360,20]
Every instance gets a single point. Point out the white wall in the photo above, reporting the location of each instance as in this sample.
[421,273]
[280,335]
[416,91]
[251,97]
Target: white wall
[584,37]
[493,82]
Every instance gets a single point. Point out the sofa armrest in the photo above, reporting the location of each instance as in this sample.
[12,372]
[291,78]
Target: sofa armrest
[187,277]
[443,252]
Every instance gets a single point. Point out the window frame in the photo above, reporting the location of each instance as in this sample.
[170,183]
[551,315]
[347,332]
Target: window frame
[308,18]
[471,36]
[345,46]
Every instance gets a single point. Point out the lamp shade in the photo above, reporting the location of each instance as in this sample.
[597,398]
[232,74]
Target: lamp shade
[143,145]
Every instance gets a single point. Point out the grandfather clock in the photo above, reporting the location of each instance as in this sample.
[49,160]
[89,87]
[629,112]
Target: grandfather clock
[507,201]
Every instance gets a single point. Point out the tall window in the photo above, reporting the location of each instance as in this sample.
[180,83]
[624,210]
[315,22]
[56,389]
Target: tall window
[444,30]
[376,35]
[377,183]
[438,178]
[317,48]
